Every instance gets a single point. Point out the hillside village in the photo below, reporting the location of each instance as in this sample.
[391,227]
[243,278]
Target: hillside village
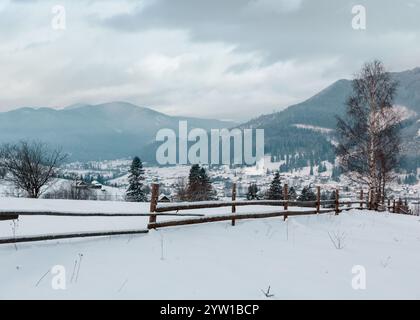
[109,179]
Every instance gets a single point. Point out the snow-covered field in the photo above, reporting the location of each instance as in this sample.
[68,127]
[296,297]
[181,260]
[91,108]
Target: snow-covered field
[296,258]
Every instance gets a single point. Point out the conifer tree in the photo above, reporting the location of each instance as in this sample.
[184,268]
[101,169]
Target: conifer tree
[331,204]
[199,185]
[208,192]
[252,193]
[135,191]
[292,194]
[275,192]
[307,195]
[322,168]
[336,172]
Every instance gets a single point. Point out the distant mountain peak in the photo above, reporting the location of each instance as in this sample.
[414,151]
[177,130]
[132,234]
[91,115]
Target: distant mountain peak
[109,130]
[339,85]
[300,127]
[118,104]
[104,104]
[75,106]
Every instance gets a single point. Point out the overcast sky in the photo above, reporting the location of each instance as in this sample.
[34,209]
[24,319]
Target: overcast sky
[225,59]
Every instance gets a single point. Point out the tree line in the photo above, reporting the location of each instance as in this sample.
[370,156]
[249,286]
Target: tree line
[276,192]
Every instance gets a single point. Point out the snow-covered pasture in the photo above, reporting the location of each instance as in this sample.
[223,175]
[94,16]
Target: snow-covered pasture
[297,258]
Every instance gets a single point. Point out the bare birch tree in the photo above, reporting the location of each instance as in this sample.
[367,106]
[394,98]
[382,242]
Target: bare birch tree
[369,136]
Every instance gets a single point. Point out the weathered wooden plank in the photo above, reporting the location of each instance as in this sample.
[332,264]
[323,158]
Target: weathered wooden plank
[9,217]
[153,202]
[286,196]
[207,219]
[337,202]
[318,198]
[233,200]
[214,204]
[46,237]
[90,214]
[208,205]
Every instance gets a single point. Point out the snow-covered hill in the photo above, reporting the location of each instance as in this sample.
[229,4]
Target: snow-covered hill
[297,259]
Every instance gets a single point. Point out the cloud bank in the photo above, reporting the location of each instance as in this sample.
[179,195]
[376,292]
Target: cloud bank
[229,59]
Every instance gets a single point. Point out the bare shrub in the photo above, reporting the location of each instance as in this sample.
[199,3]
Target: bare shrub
[71,192]
[338,239]
[30,166]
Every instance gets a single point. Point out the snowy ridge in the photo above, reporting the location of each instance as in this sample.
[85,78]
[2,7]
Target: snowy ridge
[314,128]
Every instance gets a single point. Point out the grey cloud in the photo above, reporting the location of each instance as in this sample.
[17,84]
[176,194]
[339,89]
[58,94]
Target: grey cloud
[320,27]
[240,58]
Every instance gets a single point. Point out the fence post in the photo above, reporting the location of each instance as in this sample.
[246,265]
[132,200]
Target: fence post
[233,199]
[361,199]
[389,205]
[285,198]
[393,207]
[398,205]
[153,202]
[337,204]
[318,199]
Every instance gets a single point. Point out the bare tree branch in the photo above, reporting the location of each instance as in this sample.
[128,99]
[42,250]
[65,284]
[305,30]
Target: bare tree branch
[30,166]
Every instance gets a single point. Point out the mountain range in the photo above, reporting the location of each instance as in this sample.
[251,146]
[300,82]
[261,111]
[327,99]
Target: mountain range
[308,127]
[120,129]
[95,132]
[321,109]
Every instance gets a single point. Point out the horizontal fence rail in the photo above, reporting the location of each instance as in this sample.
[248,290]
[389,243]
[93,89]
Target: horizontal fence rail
[72,235]
[8,216]
[15,213]
[220,204]
[239,216]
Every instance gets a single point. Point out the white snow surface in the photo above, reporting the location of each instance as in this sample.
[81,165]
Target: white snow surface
[295,258]
[314,128]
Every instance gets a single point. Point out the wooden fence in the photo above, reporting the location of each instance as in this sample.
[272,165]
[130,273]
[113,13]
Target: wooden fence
[397,206]
[335,206]
[77,234]
[167,210]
